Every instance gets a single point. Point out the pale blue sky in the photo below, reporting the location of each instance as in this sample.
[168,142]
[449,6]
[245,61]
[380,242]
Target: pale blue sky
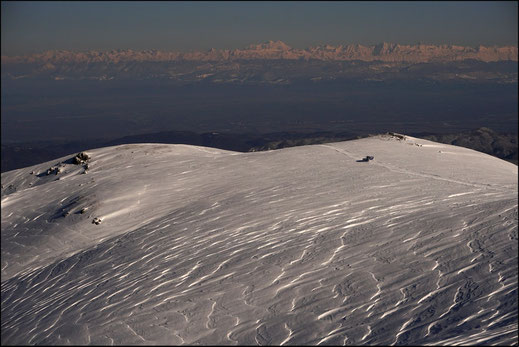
[28,27]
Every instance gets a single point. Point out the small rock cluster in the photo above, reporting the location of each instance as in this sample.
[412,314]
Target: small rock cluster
[368,158]
[54,170]
[399,137]
[81,159]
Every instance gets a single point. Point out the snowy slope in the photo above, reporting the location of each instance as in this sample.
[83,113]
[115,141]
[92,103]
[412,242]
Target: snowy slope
[304,245]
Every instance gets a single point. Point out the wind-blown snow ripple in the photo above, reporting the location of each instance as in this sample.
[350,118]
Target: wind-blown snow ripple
[297,254]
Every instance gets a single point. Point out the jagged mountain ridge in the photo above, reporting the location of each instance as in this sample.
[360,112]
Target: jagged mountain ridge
[387,52]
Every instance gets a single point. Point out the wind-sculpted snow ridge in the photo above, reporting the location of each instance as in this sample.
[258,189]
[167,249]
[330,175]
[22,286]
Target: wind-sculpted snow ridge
[306,245]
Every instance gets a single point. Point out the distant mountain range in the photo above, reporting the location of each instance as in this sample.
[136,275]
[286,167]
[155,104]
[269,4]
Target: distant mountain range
[274,63]
[386,52]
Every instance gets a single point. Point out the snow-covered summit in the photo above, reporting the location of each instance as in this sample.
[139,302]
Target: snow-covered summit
[270,45]
[174,244]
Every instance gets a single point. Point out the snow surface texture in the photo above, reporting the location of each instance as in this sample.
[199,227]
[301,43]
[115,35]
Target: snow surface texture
[304,245]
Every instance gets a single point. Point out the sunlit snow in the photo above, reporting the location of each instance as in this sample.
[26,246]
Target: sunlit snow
[305,245]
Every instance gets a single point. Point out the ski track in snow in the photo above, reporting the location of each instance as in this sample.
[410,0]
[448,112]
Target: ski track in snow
[258,248]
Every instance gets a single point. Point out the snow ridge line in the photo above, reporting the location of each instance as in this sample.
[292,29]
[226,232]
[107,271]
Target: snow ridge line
[420,174]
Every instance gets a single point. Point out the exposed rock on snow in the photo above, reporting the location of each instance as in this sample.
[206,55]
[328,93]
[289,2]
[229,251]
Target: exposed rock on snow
[81,158]
[296,246]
